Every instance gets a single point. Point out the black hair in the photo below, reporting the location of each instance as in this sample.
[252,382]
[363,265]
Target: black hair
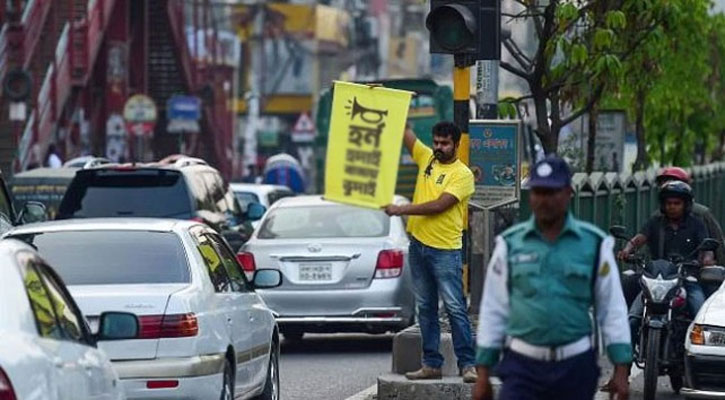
[446,129]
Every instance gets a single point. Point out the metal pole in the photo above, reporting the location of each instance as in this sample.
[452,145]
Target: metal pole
[461,115]
[482,233]
[487,89]
[249,155]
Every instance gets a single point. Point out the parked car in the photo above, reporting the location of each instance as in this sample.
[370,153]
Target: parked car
[43,185]
[29,211]
[344,268]
[185,188]
[705,343]
[266,195]
[204,331]
[47,349]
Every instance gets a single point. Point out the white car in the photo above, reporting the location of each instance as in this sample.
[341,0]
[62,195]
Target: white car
[204,332]
[705,343]
[47,349]
[344,268]
[265,195]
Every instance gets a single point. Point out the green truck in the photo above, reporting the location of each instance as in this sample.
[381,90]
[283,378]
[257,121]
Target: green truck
[431,103]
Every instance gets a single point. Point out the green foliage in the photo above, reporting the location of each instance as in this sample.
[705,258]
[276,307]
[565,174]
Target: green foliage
[665,58]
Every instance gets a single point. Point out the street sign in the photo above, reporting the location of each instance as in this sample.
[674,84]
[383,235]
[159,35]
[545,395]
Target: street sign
[140,108]
[495,161]
[304,129]
[186,108]
[184,113]
[183,126]
[140,129]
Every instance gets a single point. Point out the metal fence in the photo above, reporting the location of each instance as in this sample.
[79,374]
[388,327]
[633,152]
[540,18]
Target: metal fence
[607,199]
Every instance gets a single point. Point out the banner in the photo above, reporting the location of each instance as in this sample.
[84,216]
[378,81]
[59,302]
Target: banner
[364,142]
[495,161]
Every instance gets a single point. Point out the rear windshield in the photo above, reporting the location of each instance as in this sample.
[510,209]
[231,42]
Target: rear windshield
[246,198]
[112,257]
[324,222]
[138,193]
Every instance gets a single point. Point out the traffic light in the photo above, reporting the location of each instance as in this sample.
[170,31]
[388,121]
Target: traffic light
[465,28]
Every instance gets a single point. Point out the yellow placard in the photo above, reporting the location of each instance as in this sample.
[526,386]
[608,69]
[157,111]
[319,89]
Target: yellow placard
[363,148]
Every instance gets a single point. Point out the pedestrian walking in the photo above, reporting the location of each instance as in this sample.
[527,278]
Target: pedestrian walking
[442,190]
[544,277]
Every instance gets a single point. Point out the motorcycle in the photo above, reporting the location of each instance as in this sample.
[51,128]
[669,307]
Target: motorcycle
[660,344]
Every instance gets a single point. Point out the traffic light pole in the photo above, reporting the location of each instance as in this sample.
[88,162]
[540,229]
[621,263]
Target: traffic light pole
[461,115]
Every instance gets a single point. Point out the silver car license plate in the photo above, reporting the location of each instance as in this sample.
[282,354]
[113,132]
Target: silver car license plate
[315,272]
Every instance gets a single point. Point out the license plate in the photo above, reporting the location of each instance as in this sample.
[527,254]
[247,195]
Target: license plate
[315,272]
[717,338]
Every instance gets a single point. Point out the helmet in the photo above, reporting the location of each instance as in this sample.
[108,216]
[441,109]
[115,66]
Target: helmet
[676,189]
[672,173]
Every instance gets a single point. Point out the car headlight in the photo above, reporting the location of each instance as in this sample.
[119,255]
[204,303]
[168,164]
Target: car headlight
[707,335]
[658,287]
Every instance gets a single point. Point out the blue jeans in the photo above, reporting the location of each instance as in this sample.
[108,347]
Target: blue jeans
[440,271]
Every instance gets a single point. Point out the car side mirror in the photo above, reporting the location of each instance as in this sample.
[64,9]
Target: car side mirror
[619,232]
[117,326]
[31,212]
[255,211]
[267,278]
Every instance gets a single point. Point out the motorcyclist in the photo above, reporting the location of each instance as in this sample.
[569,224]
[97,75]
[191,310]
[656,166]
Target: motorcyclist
[675,232]
[669,174]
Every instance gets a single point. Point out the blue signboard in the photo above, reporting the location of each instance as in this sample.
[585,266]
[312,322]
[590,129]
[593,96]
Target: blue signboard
[186,108]
[495,161]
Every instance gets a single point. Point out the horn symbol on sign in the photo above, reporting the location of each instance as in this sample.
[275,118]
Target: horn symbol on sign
[356,109]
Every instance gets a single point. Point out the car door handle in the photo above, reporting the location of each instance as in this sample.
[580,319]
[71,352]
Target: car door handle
[251,317]
[229,320]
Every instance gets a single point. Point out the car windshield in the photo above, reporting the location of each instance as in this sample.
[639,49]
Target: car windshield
[137,193]
[324,222]
[102,257]
[246,198]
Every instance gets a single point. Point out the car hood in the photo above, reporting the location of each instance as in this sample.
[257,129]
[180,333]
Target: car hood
[713,311]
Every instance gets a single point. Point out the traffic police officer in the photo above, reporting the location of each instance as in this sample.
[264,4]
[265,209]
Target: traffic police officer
[544,276]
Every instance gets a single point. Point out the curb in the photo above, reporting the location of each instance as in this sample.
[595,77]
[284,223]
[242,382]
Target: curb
[366,394]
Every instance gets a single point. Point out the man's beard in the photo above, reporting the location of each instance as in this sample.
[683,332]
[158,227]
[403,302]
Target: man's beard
[443,157]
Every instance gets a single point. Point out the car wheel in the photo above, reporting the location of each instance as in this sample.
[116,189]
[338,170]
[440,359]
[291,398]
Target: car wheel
[228,384]
[271,385]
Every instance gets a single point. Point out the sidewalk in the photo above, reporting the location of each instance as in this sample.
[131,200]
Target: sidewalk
[397,387]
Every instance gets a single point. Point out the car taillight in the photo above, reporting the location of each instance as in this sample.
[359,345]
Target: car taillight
[6,388]
[198,219]
[246,260]
[390,264]
[167,326]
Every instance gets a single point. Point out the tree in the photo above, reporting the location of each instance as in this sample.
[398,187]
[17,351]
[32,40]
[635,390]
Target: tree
[580,48]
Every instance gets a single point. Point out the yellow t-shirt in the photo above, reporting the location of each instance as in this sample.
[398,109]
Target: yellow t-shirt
[445,230]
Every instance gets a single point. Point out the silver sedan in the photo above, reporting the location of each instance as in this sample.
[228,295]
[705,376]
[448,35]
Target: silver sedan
[344,268]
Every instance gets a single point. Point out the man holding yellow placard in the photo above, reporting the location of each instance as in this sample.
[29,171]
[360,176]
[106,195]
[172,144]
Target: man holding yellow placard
[442,190]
